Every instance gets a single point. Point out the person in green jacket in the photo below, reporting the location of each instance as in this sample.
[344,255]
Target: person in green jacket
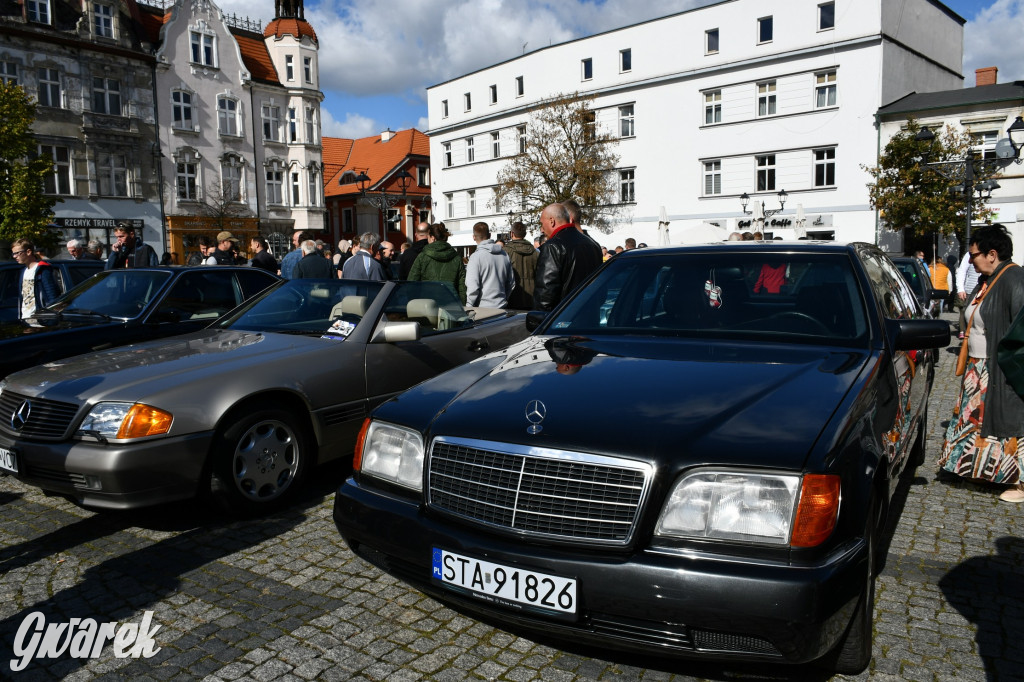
[440,262]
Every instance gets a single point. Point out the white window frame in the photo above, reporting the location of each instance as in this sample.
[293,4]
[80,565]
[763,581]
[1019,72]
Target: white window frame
[313,186]
[494,94]
[449,200]
[203,48]
[38,11]
[712,177]
[289,67]
[764,165]
[182,110]
[444,108]
[296,186]
[471,202]
[470,150]
[626,60]
[446,154]
[274,183]
[227,116]
[983,143]
[521,134]
[9,72]
[271,117]
[186,176]
[708,34]
[112,174]
[467,102]
[822,17]
[627,186]
[627,120]
[520,86]
[824,166]
[58,180]
[102,20]
[106,92]
[232,178]
[495,145]
[587,69]
[712,107]
[50,83]
[825,90]
[307,69]
[423,176]
[310,124]
[767,103]
[293,125]
[765,25]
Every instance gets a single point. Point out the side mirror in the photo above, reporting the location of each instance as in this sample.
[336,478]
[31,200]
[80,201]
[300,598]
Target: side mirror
[534,318]
[917,334]
[392,332]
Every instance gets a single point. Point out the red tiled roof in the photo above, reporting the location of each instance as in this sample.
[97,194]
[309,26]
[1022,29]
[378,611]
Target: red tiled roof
[152,20]
[289,26]
[256,58]
[379,160]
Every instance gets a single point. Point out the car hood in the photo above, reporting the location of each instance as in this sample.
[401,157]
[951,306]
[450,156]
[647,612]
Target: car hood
[735,403]
[132,371]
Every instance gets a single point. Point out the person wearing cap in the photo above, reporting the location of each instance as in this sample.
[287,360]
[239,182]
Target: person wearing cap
[224,253]
[128,251]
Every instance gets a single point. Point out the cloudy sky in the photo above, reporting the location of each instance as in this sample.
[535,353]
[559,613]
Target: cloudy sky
[377,58]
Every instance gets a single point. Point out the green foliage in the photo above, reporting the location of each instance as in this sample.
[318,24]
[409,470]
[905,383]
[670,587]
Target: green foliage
[25,212]
[916,197]
[567,157]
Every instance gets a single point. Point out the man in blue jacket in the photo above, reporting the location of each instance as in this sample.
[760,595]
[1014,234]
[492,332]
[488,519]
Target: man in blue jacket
[38,283]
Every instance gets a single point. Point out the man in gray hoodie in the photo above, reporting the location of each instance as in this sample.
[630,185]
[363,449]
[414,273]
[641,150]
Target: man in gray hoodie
[489,278]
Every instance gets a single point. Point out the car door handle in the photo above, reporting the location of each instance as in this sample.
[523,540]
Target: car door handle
[479,345]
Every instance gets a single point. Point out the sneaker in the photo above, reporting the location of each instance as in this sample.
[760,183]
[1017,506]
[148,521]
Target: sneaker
[1014,494]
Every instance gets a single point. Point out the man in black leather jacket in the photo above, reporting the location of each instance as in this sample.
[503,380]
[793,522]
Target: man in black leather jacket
[566,259]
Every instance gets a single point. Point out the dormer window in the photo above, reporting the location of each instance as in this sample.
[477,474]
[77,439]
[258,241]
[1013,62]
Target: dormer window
[203,51]
[38,11]
[103,20]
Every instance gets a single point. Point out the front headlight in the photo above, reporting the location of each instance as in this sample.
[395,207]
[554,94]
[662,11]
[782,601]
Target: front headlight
[392,453]
[125,421]
[731,506]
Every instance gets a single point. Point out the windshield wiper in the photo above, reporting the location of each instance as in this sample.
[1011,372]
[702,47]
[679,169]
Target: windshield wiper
[83,311]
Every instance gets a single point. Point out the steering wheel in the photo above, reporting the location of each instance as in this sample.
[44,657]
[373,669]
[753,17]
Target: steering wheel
[816,325]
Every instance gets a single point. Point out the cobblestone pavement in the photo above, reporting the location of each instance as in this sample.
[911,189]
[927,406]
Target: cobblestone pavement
[284,599]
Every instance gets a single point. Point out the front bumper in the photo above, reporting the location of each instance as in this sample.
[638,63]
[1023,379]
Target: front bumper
[649,601]
[115,475]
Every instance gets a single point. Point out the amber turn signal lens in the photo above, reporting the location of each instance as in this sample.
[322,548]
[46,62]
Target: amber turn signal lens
[143,420]
[817,512]
[357,458]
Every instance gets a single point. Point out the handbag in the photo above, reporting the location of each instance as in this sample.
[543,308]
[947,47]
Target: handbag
[1010,354]
[961,361]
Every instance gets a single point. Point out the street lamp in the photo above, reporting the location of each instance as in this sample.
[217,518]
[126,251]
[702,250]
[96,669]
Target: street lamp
[382,201]
[966,171]
[765,214]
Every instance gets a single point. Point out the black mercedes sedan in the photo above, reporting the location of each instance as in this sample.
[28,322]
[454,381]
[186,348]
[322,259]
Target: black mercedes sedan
[678,462]
[118,307]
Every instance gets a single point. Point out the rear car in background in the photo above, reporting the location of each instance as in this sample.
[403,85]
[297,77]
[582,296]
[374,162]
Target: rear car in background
[921,284]
[685,468]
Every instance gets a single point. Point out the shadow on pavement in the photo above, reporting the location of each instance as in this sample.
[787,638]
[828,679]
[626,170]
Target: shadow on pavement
[989,592]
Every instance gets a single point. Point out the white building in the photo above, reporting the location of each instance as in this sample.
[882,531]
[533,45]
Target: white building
[739,97]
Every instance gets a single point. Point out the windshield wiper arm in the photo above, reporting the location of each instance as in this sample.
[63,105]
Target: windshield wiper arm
[83,311]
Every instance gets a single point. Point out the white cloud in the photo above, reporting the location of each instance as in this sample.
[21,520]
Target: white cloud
[354,126]
[993,38]
[422,124]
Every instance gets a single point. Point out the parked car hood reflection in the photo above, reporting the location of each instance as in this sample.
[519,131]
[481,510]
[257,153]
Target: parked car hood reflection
[46,324]
[709,401]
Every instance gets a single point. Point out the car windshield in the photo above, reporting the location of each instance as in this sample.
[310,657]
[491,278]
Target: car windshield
[307,306]
[115,293]
[777,296]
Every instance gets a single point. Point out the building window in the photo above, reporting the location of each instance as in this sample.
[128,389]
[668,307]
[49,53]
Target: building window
[519,86]
[824,167]
[227,116]
[423,176]
[275,183]
[293,125]
[712,107]
[9,73]
[310,125]
[627,193]
[185,178]
[38,11]
[231,178]
[296,197]
[766,99]
[627,126]
[470,152]
[112,174]
[712,177]
[587,66]
[826,16]
[467,102]
[202,49]
[447,149]
[444,108]
[589,126]
[49,88]
[307,69]
[271,123]
[103,20]
[494,94]
[625,60]
[496,145]
[765,172]
[764,30]
[711,41]
[521,133]
[347,220]
[471,202]
[825,89]
[181,110]
[106,96]
[983,144]
[58,181]
[449,201]
[314,187]
[289,67]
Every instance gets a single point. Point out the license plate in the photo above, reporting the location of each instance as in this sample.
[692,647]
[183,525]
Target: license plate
[504,584]
[8,460]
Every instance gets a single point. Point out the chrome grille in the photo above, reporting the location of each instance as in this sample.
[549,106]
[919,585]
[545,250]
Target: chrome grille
[47,419]
[571,496]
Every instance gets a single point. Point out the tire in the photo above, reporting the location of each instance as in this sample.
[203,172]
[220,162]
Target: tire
[258,462]
[853,653]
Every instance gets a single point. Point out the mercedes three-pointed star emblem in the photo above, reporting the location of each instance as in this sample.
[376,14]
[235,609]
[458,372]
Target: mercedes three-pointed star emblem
[535,413]
[20,416]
